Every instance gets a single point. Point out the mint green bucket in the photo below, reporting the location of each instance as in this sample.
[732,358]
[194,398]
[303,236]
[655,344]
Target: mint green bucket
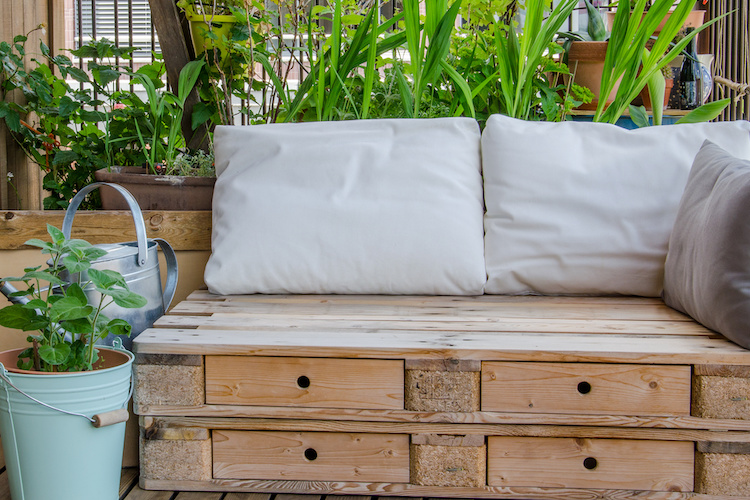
[59,453]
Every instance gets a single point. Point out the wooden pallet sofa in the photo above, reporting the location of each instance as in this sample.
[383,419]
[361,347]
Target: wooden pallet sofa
[410,308]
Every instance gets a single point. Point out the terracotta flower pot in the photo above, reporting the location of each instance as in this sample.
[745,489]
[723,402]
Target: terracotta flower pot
[586,61]
[156,192]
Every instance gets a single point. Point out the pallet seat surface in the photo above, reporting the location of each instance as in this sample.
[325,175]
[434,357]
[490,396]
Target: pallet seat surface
[471,397]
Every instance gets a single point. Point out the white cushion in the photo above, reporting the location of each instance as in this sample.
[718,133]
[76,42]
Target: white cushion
[360,207]
[587,208]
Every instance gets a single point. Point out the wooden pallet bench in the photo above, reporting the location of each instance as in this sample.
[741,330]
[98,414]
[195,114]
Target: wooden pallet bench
[470,397]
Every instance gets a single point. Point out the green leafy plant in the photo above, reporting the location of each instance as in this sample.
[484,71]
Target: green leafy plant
[523,62]
[54,303]
[165,113]
[630,63]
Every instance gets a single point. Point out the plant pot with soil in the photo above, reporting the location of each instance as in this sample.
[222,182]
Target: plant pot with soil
[63,399]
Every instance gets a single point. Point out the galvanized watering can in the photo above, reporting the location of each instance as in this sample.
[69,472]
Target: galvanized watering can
[138,263]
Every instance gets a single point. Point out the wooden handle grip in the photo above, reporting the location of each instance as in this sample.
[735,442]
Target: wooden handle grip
[111,417]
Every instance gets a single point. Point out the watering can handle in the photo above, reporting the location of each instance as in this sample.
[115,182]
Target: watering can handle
[135,210]
[171,260]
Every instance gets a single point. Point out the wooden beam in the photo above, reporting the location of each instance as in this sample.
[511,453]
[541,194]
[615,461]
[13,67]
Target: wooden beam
[177,49]
[184,230]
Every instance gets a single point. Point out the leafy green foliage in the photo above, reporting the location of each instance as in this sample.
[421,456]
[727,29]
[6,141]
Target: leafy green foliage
[68,325]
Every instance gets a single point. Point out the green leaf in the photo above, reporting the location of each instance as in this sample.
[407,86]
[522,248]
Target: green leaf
[69,308]
[705,113]
[639,116]
[75,264]
[46,246]
[75,291]
[58,238]
[54,355]
[106,278]
[16,316]
[126,298]
[119,327]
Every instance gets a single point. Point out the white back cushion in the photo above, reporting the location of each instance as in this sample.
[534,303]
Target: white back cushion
[587,208]
[368,207]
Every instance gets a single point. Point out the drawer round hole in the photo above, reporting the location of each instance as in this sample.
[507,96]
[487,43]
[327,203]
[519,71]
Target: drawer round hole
[584,387]
[303,382]
[311,454]
[590,463]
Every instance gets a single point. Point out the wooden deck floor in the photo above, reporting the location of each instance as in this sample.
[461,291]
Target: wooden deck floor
[129,490]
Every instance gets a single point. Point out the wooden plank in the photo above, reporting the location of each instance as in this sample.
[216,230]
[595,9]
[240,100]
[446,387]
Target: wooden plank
[434,300]
[188,230]
[326,383]
[311,456]
[444,365]
[723,371]
[128,479]
[590,463]
[289,496]
[414,491]
[586,388]
[488,311]
[449,324]
[194,495]
[472,440]
[249,496]
[384,343]
[342,414]
[140,494]
[536,430]
[715,447]
[168,360]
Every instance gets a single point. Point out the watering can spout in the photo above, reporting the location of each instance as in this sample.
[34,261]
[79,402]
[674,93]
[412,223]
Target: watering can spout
[8,290]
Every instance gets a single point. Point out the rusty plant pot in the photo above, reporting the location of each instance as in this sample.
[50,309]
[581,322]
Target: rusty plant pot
[156,192]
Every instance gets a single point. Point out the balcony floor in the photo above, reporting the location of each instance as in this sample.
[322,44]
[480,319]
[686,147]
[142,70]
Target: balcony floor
[129,490]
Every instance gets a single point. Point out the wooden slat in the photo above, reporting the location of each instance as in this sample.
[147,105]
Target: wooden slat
[428,323]
[194,495]
[140,494]
[590,463]
[421,300]
[326,383]
[487,310]
[311,456]
[391,489]
[248,496]
[342,415]
[586,388]
[128,479]
[544,429]
[383,343]
[184,230]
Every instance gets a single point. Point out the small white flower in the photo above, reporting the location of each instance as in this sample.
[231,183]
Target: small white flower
[10,176]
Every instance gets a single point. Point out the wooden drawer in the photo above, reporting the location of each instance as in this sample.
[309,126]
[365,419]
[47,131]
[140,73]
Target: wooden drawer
[311,456]
[590,463]
[586,388]
[314,382]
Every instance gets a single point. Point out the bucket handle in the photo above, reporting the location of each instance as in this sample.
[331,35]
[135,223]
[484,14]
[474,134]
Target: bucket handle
[171,260]
[100,419]
[135,210]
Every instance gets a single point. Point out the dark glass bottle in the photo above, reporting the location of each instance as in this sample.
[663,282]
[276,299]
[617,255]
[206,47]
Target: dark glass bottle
[691,89]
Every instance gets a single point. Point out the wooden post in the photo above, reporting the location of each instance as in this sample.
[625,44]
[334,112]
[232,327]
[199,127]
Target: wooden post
[18,17]
[177,49]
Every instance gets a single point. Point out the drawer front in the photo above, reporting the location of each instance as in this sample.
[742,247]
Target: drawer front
[311,456]
[590,463]
[312,382]
[586,388]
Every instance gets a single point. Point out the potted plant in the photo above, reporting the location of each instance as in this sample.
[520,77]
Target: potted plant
[211,22]
[162,185]
[63,400]
[585,53]
[630,66]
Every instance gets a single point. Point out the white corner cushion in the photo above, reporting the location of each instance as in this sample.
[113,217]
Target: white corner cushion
[587,208]
[358,207]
